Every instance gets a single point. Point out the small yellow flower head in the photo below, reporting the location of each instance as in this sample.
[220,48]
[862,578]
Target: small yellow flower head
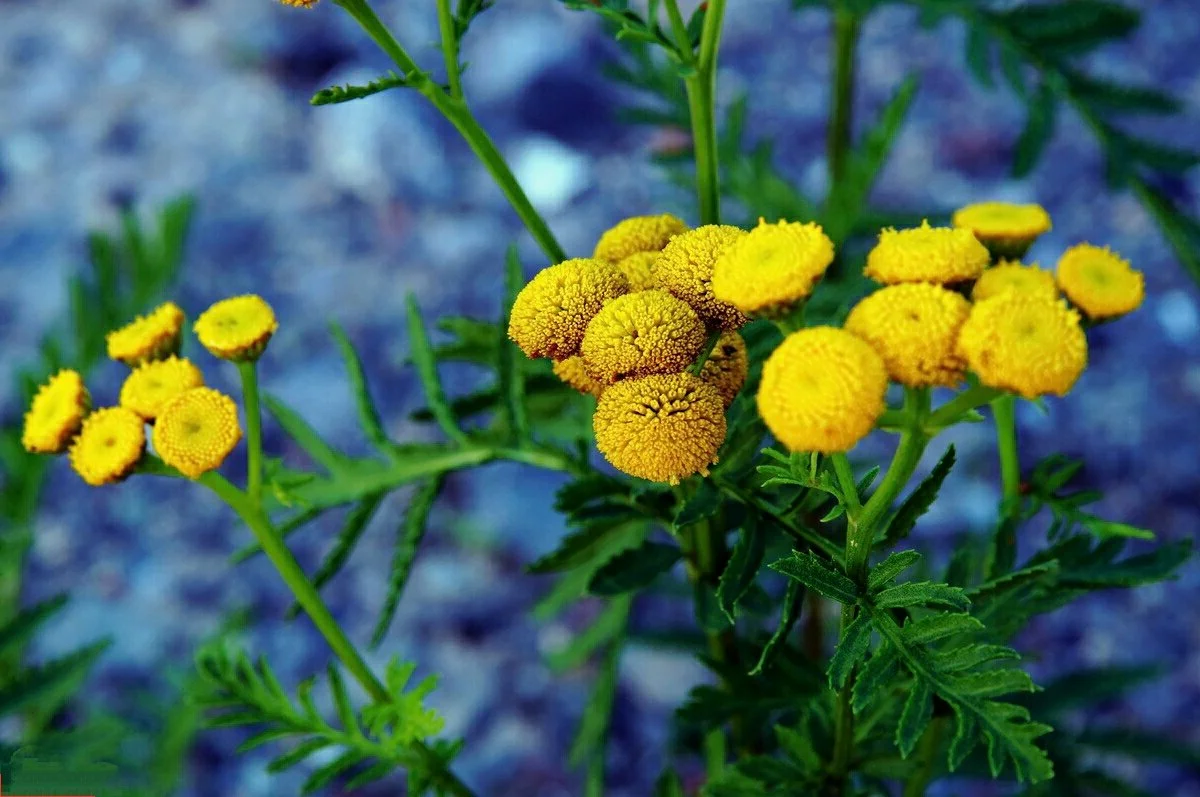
[55,414]
[299,3]
[637,234]
[822,390]
[1007,230]
[196,430]
[1028,343]
[553,310]
[149,337]
[926,254]
[1013,275]
[575,373]
[914,327]
[643,333]
[772,267]
[1100,282]
[151,385]
[237,328]
[638,268]
[727,366]
[109,446]
[662,428]
[685,268]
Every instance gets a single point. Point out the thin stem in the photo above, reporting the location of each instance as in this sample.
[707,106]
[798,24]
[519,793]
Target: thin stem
[710,344]
[969,399]
[682,40]
[1004,410]
[714,754]
[701,93]
[254,448]
[841,115]
[449,48]
[845,476]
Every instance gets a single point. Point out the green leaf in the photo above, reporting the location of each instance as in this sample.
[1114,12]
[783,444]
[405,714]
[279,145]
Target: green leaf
[922,593]
[609,626]
[1140,745]
[1180,230]
[1085,687]
[918,711]
[886,571]
[508,369]
[874,677]
[744,562]
[1134,571]
[408,539]
[818,576]
[338,94]
[702,505]
[304,435]
[1106,95]
[1070,28]
[797,743]
[593,727]
[850,651]
[919,501]
[426,365]
[352,530]
[368,415]
[1039,129]
[939,626]
[18,630]
[579,547]
[635,569]
[42,684]
[792,601]
[669,785]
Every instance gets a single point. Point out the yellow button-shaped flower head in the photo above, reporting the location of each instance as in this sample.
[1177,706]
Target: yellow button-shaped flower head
[55,414]
[914,327]
[637,234]
[662,428]
[575,373]
[1007,230]
[1013,275]
[772,267]
[109,446]
[1025,342]
[638,268]
[1100,282]
[926,254]
[685,268]
[151,385]
[196,430]
[237,328]
[822,390]
[299,3]
[551,313]
[642,333]
[727,366]
[149,337]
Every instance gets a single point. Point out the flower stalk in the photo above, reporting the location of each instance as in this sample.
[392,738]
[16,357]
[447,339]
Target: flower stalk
[248,371]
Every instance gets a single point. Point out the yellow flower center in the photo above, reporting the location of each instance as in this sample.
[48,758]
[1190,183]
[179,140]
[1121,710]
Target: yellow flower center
[196,431]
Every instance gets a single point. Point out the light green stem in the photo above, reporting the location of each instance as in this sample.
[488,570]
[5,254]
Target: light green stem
[845,475]
[449,48]
[1004,410]
[701,93]
[841,112]
[254,447]
[969,399]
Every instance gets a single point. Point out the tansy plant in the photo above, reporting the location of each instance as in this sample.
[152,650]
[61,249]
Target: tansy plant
[703,385]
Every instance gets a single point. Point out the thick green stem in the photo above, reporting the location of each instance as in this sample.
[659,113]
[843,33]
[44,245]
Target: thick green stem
[1004,410]
[841,112]
[449,48]
[254,448]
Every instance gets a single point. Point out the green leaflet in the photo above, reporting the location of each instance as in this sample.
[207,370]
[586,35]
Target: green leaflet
[743,566]
[582,546]
[426,364]
[635,569]
[304,435]
[593,726]
[792,602]
[818,576]
[886,571]
[408,539]
[914,719]
[918,502]
[338,94]
[921,593]
[604,629]
[851,649]
[368,414]
[18,630]
[48,683]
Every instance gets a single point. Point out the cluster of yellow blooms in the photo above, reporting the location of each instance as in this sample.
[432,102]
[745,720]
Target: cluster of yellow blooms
[194,428]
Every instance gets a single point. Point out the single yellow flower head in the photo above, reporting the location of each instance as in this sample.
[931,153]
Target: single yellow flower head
[637,234]
[109,446]
[1025,342]
[727,366]
[1006,229]
[237,328]
[643,333]
[151,385]
[1013,275]
[685,268]
[299,3]
[196,430]
[551,313]
[662,428]
[638,268]
[926,254]
[772,267]
[149,337]
[822,390]
[575,373]
[55,414]
[1100,282]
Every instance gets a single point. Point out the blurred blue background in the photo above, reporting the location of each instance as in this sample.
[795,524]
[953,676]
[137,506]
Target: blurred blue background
[338,212]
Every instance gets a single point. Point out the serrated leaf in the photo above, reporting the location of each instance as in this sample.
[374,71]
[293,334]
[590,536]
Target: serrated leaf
[886,571]
[352,530]
[634,569]
[1039,129]
[939,626]
[792,602]
[338,94]
[425,362]
[972,656]
[368,414]
[964,739]
[818,576]
[851,649]
[42,683]
[702,505]
[408,538]
[325,775]
[579,547]
[919,501]
[743,566]
[1085,687]
[874,677]
[914,719]
[296,755]
[922,593]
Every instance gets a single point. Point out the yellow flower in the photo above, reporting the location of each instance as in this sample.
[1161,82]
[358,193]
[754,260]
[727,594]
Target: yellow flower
[926,254]
[914,327]
[299,3]
[109,446]
[196,430]
[1028,343]
[772,267]
[1100,282]
[153,384]
[575,373]
[727,366]
[637,234]
[643,333]
[551,313]
[638,268]
[237,328]
[1012,275]
[662,428]
[822,390]
[1006,229]
[685,268]
[55,414]
[149,337]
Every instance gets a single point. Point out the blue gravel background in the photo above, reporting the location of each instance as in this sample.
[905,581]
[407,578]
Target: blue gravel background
[338,212]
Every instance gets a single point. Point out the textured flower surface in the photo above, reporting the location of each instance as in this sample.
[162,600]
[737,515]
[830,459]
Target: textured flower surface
[55,414]
[196,431]
[1028,343]
[151,385]
[822,390]
[727,366]
[1004,227]
[551,313]
[637,234]
[914,327]
[109,445]
[1100,282]
[685,268]
[772,266]
[1012,275]
[662,428]
[237,328]
[926,254]
[575,373]
[148,337]
[299,3]
[638,268]
[643,333]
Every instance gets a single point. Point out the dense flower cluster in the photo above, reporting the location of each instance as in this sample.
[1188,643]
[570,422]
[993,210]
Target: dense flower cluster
[552,312]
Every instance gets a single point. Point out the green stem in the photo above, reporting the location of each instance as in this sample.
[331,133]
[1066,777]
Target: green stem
[254,448]
[449,48]
[1004,410]
[969,399]
[683,41]
[841,114]
[845,476]
[698,364]
[701,93]
[927,756]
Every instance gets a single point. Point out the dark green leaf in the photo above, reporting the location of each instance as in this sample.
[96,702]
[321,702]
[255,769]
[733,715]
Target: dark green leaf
[1108,95]
[886,571]
[304,435]
[634,569]
[978,54]
[792,602]
[426,365]
[593,727]
[408,539]
[744,562]
[939,626]
[42,684]
[18,630]
[818,575]
[918,710]
[1039,129]
[581,546]
[922,593]
[919,501]
[1069,28]
[603,630]
[702,505]
[851,649]
[668,785]
[874,677]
